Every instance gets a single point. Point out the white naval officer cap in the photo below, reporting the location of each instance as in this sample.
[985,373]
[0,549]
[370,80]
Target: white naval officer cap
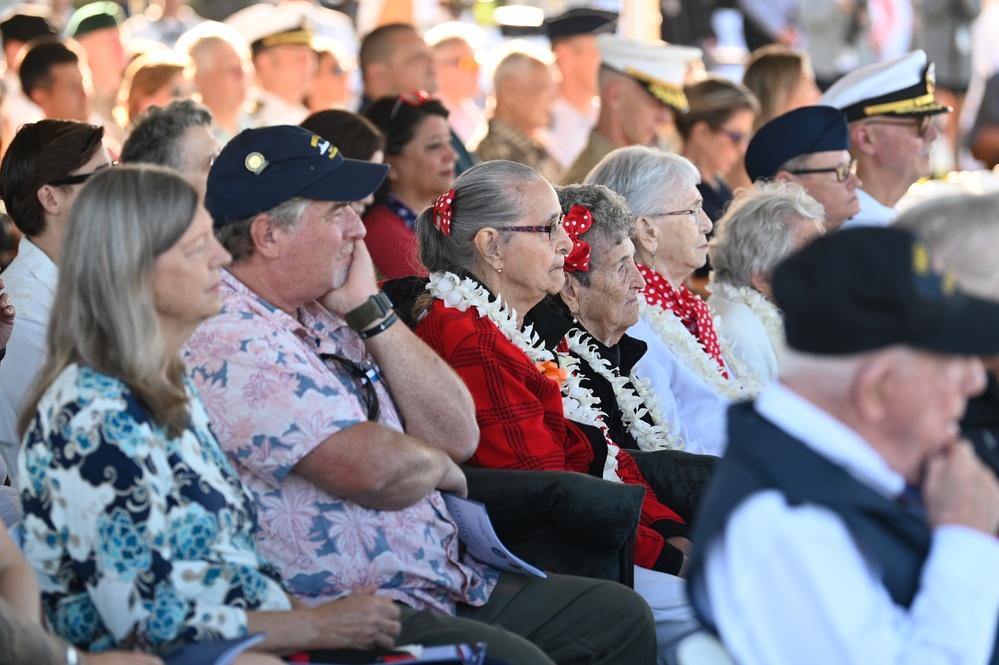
[901,87]
[264,25]
[660,67]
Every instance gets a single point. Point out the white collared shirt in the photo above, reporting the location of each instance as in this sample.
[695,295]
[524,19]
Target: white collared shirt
[789,585]
[872,213]
[30,280]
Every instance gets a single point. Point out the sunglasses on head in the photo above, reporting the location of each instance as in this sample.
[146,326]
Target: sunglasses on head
[79,178]
[414,98]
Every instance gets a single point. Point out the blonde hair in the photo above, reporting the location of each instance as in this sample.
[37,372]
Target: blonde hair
[773,74]
[103,315]
[714,100]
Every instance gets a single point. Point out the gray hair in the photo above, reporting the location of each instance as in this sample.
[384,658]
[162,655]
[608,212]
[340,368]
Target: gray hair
[123,219]
[486,195]
[613,223]
[963,232]
[155,137]
[641,174]
[200,40]
[758,231]
[236,236]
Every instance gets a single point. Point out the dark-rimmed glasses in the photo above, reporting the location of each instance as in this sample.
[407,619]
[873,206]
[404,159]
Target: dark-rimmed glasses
[922,123]
[696,210]
[842,171]
[413,98]
[550,229]
[364,373]
[79,178]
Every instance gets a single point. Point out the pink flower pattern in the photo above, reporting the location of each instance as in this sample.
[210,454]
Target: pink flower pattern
[272,400]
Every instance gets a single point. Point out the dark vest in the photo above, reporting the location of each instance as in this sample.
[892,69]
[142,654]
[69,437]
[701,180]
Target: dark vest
[761,457]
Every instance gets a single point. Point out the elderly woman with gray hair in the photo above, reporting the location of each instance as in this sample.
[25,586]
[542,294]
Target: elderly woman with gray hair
[686,356]
[759,230]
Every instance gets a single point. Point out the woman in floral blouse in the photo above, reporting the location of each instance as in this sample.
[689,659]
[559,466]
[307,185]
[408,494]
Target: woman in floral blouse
[134,521]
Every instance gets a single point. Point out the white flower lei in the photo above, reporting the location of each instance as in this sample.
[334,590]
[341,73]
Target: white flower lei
[687,348]
[578,403]
[764,310]
[634,400]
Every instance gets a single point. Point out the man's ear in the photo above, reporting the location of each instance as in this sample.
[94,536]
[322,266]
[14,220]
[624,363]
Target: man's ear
[488,244]
[873,387]
[268,236]
[862,139]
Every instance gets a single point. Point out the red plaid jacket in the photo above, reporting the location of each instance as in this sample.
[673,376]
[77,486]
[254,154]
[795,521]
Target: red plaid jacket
[519,412]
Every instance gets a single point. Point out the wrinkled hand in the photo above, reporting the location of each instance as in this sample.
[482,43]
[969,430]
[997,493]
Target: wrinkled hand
[359,621]
[959,489]
[7,315]
[119,658]
[454,480]
[359,286]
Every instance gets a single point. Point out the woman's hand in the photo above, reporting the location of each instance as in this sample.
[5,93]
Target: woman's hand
[362,620]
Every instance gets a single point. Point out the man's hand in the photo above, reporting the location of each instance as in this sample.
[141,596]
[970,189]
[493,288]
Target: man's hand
[359,285]
[959,489]
[7,314]
[454,480]
[362,620]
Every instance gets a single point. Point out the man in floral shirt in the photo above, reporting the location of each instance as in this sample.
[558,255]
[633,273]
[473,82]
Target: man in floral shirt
[308,381]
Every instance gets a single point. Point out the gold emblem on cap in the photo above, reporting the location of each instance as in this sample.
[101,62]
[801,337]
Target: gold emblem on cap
[920,259]
[949,283]
[255,162]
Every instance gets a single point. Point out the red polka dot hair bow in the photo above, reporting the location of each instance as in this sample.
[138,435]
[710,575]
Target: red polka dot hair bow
[442,212]
[577,222]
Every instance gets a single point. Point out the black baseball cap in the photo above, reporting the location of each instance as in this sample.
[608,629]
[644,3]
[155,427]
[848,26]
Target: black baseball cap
[261,168]
[867,288]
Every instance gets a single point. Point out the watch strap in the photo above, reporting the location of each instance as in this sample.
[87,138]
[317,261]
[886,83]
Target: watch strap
[372,309]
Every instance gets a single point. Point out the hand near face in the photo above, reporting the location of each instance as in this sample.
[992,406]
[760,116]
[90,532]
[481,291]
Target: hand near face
[362,620]
[959,489]
[359,285]
[7,314]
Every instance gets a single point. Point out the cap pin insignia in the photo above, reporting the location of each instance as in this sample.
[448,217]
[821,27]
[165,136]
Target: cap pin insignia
[255,163]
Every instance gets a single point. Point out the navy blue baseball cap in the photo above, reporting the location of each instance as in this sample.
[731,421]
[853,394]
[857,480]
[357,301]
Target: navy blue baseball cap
[799,132]
[262,168]
[868,288]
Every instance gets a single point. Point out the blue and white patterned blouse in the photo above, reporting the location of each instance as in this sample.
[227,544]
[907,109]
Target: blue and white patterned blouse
[131,531]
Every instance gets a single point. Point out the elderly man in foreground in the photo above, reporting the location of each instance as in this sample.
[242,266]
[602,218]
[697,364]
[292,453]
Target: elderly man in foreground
[346,427]
[848,522]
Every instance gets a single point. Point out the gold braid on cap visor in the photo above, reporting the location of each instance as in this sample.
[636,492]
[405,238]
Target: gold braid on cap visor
[668,93]
[291,38]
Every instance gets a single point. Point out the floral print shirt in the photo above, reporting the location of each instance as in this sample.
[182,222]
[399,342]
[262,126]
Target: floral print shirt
[274,395]
[132,533]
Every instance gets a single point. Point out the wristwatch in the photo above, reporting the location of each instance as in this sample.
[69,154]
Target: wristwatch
[374,308]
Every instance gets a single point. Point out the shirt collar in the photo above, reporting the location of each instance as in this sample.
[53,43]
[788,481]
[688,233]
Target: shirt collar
[38,263]
[829,437]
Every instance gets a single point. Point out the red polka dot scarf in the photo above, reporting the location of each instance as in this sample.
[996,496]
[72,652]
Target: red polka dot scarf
[689,308]
[577,222]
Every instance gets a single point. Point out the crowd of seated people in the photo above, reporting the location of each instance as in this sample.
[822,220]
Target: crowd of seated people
[215,422]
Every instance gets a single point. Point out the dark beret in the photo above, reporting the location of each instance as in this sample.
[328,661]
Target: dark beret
[799,132]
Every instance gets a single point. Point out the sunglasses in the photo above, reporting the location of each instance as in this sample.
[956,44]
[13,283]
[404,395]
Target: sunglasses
[466,62]
[737,138]
[79,178]
[363,373]
[550,229]
[415,98]
[843,171]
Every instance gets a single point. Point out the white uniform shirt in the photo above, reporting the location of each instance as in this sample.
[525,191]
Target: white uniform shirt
[30,280]
[272,110]
[700,410]
[569,131]
[872,213]
[789,585]
[738,324]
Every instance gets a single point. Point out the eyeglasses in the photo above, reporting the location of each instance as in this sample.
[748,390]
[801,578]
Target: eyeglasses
[696,210]
[550,229]
[843,171]
[466,62]
[364,373]
[79,178]
[922,124]
[414,98]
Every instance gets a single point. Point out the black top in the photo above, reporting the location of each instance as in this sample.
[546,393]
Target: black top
[716,200]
